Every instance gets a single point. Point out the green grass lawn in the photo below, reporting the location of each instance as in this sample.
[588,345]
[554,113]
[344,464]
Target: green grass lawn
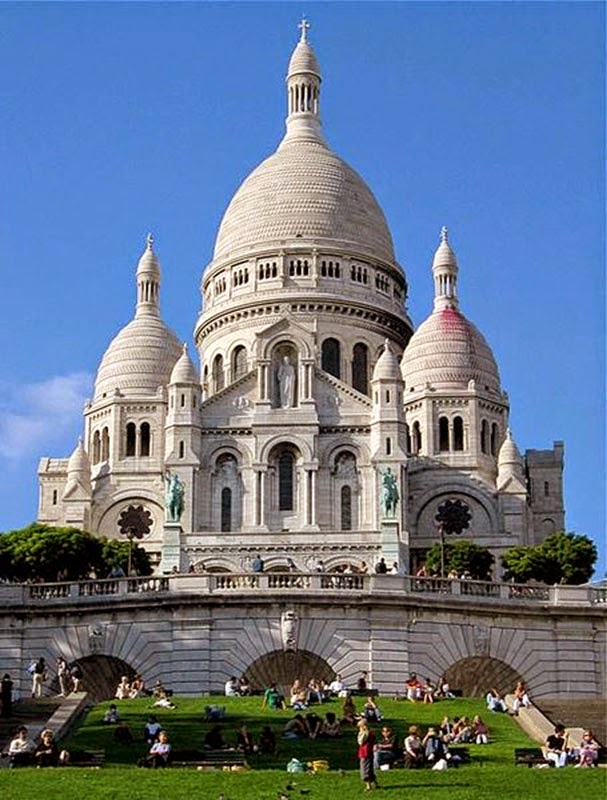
[491,774]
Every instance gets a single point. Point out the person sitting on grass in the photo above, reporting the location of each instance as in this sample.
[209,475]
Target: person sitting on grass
[462,730]
[21,749]
[214,738]
[47,752]
[446,730]
[273,698]
[434,746]
[244,687]
[299,696]
[414,752]
[295,728]
[371,711]
[495,702]
[160,753]
[123,690]
[480,731]
[330,726]
[588,754]
[413,688]
[429,691]
[111,716]
[244,741]
[348,712]
[151,730]
[313,725]
[385,750]
[267,741]
[556,747]
[137,687]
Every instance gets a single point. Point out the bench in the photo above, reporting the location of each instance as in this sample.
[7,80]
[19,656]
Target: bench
[85,758]
[529,756]
[208,759]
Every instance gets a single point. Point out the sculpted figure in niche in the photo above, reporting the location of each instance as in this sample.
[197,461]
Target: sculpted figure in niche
[389,493]
[288,628]
[175,490]
[286,383]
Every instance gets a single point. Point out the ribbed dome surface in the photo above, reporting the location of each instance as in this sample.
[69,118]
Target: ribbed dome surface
[139,359]
[303,191]
[303,60]
[447,350]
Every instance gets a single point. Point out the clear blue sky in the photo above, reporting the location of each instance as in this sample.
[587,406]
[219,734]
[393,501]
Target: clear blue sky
[122,118]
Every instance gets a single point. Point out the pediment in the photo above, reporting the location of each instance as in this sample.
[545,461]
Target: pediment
[236,399]
[75,491]
[512,485]
[336,400]
[286,327]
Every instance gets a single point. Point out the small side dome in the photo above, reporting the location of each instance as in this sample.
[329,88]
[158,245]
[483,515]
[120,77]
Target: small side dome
[387,368]
[303,60]
[509,462]
[184,370]
[78,471]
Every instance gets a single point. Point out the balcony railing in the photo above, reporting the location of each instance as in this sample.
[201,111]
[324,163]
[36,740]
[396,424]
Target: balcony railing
[203,584]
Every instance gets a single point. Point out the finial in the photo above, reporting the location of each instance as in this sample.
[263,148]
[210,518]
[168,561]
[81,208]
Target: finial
[304,27]
[444,235]
[149,240]
[185,348]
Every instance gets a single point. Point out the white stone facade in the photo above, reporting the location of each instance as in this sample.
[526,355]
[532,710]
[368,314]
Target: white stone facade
[281,440]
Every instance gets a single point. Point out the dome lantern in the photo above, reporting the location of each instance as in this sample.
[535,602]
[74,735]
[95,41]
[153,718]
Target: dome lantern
[444,269]
[303,90]
[148,281]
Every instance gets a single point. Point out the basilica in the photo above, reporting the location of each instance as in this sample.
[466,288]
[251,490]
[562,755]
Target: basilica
[321,428]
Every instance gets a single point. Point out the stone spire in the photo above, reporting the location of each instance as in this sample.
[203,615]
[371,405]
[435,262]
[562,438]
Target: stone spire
[444,269]
[303,90]
[184,370]
[148,281]
[78,471]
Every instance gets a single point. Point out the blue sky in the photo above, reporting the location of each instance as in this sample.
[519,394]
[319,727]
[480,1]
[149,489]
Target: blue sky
[122,118]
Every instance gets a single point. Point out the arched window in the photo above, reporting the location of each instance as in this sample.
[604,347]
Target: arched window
[408,438]
[346,508]
[226,509]
[144,442]
[105,444]
[416,438]
[239,362]
[131,438]
[458,433]
[443,434]
[217,373]
[360,374]
[285,481]
[484,436]
[96,448]
[181,449]
[494,436]
[330,359]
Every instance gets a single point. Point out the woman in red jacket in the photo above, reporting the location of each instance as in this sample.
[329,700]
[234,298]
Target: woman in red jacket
[366,741]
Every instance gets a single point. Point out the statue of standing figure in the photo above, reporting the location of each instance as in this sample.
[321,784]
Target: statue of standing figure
[389,492]
[286,383]
[175,490]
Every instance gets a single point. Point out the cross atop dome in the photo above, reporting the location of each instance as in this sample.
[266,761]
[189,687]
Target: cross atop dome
[149,241]
[444,234]
[304,27]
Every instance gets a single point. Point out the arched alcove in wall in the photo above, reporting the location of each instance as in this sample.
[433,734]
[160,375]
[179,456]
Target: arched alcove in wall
[101,675]
[475,675]
[283,667]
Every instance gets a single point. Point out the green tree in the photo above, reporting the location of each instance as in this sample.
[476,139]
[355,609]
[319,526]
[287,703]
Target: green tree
[561,558]
[42,552]
[462,556]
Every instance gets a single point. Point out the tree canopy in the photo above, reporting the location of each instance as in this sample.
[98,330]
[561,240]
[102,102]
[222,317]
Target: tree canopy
[462,556]
[561,558]
[44,553]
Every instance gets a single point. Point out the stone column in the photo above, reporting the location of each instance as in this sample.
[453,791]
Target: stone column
[260,495]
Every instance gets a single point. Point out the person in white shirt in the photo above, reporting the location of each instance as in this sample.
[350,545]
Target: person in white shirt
[232,688]
[337,687]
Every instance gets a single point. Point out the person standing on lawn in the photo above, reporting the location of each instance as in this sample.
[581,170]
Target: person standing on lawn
[366,743]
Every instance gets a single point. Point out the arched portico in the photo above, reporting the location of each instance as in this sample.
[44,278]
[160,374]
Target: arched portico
[475,675]
[284,667]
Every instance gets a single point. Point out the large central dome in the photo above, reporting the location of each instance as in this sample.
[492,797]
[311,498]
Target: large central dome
[303,191]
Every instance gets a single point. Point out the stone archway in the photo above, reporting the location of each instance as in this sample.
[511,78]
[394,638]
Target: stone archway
[475,675]
[101,675]
[283,667]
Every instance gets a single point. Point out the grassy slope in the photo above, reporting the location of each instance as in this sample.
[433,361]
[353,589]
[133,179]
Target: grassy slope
[491,774]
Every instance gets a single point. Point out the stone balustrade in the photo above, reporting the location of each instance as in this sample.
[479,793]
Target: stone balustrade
[316,583]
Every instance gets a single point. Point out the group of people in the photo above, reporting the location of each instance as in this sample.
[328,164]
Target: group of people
[427,691]
[25,752]
[558,751]
[237,687]
[128,689]
[69,677]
